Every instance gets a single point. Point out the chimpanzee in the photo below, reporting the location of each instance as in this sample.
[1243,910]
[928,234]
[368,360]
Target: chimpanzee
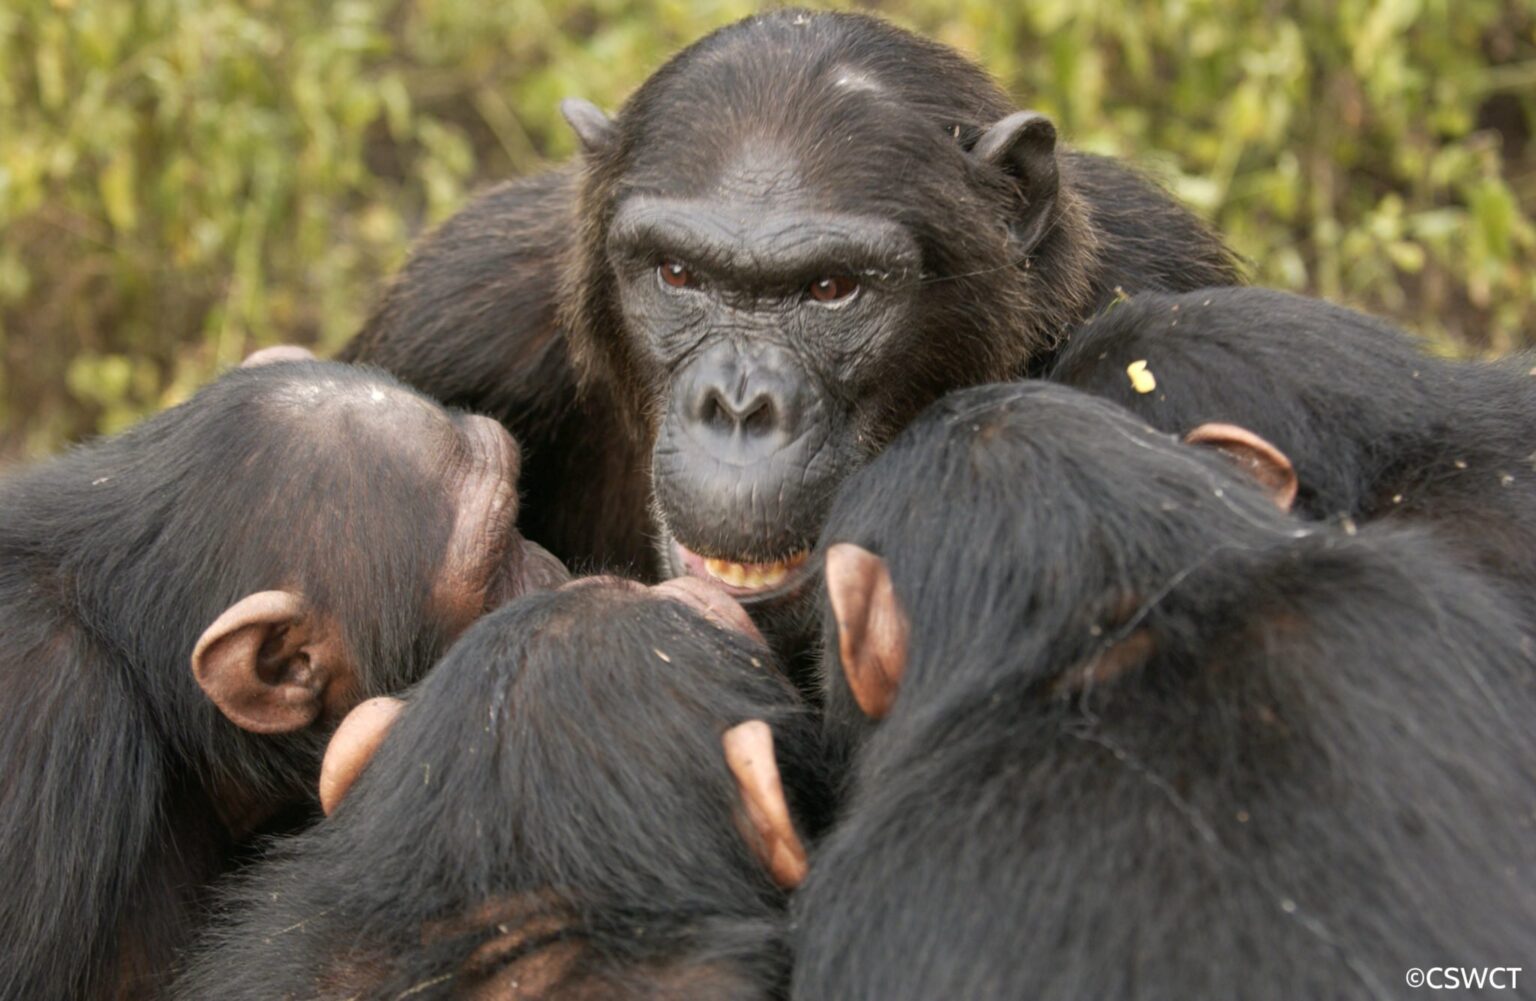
[796,234]
[581,802]
[1367,423]
[303,535]
[1142,734]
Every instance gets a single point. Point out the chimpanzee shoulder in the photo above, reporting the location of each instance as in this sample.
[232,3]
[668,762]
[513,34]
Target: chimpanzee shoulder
[1145,240]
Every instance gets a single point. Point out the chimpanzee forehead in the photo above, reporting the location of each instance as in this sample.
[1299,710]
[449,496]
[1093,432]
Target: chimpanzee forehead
[796,171]
[759,170]
[788,59]
[401,418]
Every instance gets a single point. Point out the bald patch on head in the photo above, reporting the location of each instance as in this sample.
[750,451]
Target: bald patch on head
[410,425]
[311,396]
[848,78]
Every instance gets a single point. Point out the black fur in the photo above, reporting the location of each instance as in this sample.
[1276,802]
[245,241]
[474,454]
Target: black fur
[560,775]
[1374,425]
[471,321]
[124,788]
[1321,774]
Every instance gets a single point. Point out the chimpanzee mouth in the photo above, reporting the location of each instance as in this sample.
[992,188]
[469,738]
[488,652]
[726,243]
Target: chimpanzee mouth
[745,581]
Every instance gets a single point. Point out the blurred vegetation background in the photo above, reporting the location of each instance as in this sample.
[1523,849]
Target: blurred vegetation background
[182,181]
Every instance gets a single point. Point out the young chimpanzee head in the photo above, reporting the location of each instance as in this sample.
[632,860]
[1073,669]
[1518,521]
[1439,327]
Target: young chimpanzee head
[374,527]
[310,534]
[1350,400]
[1145,735]
[187,608]
[984,528]
[581,801]
[1376,426]
[789,228]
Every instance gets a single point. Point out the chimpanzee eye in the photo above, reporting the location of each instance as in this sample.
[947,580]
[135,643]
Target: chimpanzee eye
[674,273]
[832,288]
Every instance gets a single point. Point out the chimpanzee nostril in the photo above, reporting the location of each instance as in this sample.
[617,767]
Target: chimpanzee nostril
[761,416]
[755,416]
[712,411]
[741,406]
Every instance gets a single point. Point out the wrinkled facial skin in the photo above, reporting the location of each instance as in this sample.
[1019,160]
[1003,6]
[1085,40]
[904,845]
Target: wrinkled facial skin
[765,320]
[487,562]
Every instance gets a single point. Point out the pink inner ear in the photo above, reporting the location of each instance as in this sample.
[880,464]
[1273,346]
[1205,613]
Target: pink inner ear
[750,756]
[254,662]
[871,624]
[1258,457]
[353,746]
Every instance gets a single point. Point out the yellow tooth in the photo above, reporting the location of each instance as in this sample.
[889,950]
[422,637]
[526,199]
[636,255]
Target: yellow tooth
[772,575]
[724,571]
[754,576]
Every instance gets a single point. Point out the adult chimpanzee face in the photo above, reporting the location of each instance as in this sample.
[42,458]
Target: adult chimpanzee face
[766,315]
[791,228]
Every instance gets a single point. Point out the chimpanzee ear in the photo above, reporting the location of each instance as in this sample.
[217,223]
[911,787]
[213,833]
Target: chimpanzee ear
[871,626]
[267,660]
[749,754]
[1257,457]
[352,747]
[1023,145]
[277,353]
[593,128]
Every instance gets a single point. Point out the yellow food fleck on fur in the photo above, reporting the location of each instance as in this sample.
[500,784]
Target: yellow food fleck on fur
[1142,379]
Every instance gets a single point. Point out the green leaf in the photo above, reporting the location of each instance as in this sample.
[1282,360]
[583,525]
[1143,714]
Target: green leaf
[118,197]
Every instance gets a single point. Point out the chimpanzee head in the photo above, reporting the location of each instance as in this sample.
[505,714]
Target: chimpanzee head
[371,527]
[187,610]
[589,797]
[308,533]
[1034,523]
[798,233]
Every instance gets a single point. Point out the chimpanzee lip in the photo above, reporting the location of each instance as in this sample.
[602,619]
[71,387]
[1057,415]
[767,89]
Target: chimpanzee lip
[749,583]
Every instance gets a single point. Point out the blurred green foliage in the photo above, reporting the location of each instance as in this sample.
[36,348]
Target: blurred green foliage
[182,181]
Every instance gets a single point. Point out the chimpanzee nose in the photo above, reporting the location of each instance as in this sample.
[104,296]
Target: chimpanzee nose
[737,409]
[742,404]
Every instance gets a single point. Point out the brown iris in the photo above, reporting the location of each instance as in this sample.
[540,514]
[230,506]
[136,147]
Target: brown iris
[675,273]
[831,288]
